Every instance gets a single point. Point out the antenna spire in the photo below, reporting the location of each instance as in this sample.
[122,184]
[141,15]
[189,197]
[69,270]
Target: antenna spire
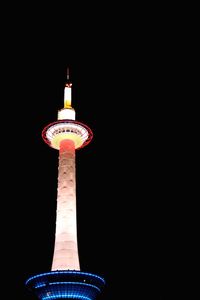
[68,92]
[67,73]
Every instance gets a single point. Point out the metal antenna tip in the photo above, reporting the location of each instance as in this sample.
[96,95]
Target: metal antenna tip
[68,73]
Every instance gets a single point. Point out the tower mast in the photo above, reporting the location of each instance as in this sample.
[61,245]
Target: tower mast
[66,280]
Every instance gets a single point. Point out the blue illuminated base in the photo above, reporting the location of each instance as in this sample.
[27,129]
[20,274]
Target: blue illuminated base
[66,285]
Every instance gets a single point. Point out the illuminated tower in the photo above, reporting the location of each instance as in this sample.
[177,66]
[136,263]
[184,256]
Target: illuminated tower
[66,280]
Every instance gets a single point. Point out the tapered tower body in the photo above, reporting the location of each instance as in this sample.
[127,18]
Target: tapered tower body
[65,280]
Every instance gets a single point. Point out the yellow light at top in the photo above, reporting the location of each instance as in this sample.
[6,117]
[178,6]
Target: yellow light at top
[68,95]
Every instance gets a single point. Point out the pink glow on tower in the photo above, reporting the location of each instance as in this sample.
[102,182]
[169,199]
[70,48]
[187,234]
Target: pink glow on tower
[66,280]
[66,248]
[66,135]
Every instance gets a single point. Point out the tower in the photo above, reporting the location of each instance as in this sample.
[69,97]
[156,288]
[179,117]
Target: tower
[65,280]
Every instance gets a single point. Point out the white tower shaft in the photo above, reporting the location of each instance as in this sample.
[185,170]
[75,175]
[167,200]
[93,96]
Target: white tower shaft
[66,246]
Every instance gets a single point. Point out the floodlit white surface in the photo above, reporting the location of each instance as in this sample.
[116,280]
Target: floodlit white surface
[66,248]
[67,96]
[66,114]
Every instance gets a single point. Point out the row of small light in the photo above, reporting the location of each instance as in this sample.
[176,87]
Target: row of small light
[65,272]
[66,296]
[71,283]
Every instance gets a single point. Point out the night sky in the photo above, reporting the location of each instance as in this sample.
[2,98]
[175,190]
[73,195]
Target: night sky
[125,199]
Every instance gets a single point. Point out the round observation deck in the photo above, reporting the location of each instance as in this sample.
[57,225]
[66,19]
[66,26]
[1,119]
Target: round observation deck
[73,130]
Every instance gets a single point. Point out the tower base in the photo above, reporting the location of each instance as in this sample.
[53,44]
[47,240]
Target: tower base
[66,284]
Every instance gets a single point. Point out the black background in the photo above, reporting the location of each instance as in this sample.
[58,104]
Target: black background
[126,177]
